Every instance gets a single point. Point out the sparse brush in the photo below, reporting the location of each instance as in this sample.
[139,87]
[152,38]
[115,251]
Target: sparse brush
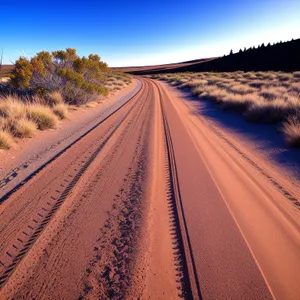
[193,84]
[24,128]
[269,111]
[11,107]
[54,98]
[3,123]
[42,116]
[291,130]
[61,110]
[297,74]
[257,83]
[285,77]
[295,87]
[265,97]
[271,93]
[241,89]
[5,140]
[239,102]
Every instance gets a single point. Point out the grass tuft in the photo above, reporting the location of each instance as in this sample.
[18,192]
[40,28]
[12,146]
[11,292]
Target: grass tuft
[12,108]
[291,131]
[55,98]
[5,140]
[61,110]
[42,116]
[24,128]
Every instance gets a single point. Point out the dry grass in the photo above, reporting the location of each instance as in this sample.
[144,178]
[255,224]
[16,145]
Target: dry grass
[5,140]
[291,131]
[21,118]
[117,80]
[24,128]
[55,98]
[12,108]
[265,97]
[61,110]
[42,116]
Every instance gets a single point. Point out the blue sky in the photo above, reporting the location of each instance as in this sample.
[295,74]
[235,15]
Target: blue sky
[143,32]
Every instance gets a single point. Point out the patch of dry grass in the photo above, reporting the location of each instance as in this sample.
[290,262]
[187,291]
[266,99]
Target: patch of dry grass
[12,108]
[60,110]
[265,97]
[117,80]
[5,140]
[22,117]
[42,116]
[55,98]
[24,128]
[291,131]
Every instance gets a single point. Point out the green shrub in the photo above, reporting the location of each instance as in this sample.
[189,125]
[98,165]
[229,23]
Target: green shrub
[78,80]
[21,74]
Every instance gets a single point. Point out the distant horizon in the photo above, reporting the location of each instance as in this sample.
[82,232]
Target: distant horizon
[124,34]
[188,60]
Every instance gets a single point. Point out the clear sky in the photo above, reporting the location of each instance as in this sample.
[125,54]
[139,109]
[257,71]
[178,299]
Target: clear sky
[144,32]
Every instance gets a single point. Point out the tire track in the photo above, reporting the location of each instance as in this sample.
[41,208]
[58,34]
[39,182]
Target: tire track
[185,265]
[30,234]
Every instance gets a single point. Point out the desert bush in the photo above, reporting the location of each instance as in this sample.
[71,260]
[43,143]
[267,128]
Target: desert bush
[291,130]
[271,93]
[12,108]
[79,80]
[54,98]
[21,75]
[241,89]
[269,111]
[257,83]
[5,140]
[60,110]
[285,77]
[42,116]
[295,87]
[297,74]
[264,97]
[23,128]
[239,102]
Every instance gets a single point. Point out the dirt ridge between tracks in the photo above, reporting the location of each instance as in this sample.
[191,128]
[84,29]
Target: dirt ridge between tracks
[114,253]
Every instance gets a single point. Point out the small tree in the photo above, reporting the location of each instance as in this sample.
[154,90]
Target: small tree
[21,75]
[231,52]
[78,79]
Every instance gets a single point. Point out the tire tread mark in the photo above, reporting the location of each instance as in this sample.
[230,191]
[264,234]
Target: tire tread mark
[34,236]
[189,267]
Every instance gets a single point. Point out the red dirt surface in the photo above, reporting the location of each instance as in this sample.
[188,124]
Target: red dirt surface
[152,204]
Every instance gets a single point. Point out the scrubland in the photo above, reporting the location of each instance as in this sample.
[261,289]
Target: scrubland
[41,92]
[261,97]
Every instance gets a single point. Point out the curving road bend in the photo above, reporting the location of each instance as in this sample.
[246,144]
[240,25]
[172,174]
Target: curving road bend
[151,204]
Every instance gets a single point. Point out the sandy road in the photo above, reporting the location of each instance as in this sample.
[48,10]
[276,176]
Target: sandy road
[150,204]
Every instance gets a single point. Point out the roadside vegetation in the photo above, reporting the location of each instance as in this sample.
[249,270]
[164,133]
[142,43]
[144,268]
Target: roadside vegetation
[261,97]
[41,91]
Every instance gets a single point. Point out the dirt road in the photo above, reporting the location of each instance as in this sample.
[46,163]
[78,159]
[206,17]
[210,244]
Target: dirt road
[151,204]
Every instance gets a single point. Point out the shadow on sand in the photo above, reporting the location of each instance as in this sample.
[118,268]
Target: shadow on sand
[267,138]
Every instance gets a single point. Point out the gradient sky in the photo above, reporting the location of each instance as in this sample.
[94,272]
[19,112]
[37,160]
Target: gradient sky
[144,32]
